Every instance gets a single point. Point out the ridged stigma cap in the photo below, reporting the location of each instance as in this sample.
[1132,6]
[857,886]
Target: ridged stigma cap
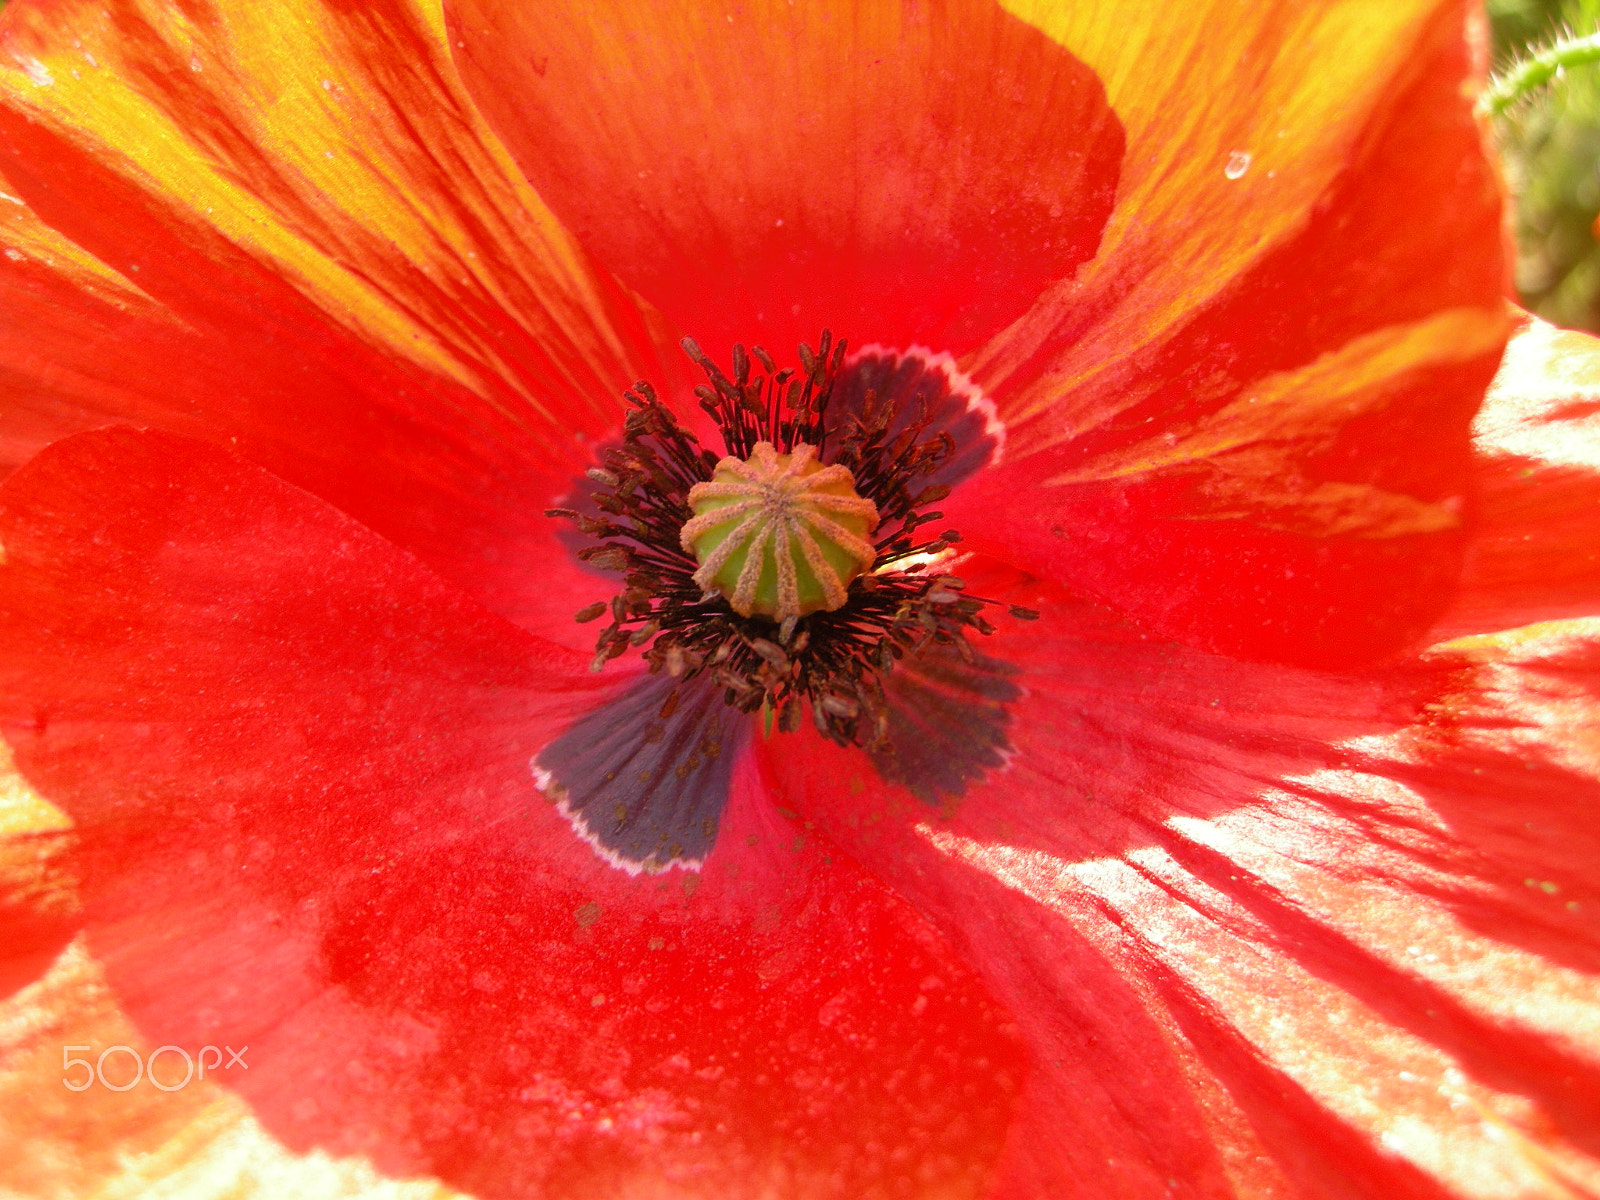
[780,535]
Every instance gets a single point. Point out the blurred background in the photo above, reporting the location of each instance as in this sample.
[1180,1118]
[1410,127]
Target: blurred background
[1549,138]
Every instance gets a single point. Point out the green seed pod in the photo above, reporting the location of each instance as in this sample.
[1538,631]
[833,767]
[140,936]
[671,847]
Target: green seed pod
[780,535]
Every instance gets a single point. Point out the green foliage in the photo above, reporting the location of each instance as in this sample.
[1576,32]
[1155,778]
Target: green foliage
[1546,104]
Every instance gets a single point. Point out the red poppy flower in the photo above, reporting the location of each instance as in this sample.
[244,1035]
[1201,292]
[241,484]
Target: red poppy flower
[1207,882]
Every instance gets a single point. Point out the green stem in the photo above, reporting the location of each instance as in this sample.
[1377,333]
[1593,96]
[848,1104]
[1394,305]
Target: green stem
[1533,73]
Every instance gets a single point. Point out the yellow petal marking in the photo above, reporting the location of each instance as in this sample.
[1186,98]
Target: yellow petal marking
[1294,91]
[1245,455]
[383,197]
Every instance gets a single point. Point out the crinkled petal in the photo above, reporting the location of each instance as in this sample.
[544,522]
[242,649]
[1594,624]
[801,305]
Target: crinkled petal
[900,173]
[1273,931]
[298,767]
[283,227]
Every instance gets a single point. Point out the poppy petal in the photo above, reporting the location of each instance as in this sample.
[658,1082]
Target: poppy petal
[191,1139]
[1535,550]
[39,908]
[927,394]
[947,720]
[1268,529]
[1272,158]
[1267,929]
[644,776]
[350,284]
[298,767]
[1246,423]
[902,174]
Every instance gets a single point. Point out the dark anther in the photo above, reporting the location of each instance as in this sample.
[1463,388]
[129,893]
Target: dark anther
[830,663]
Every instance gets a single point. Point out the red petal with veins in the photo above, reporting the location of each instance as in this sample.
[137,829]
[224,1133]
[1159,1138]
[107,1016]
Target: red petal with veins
[1278,468]
[1265,931]
[1257,445]
[900,173]
[1269,930]
[350,286]
[298,766]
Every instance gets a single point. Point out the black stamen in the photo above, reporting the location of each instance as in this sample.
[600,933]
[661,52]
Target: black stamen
[829,663]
